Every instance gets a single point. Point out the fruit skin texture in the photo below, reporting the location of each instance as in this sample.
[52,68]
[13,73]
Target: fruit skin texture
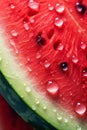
[9,120]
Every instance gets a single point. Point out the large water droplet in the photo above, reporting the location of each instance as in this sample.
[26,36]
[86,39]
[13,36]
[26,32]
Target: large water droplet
[59,8]
[34,5]
[59,22]
[50,7]
[80,109]
[52,88]
[83,46]
[74,59]
[14,33]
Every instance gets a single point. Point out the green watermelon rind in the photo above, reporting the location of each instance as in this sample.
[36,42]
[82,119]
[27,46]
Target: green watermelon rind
[17,80]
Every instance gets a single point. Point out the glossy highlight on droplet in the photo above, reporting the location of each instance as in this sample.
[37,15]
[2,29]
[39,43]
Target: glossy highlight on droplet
[59,8]
[52,88]
[58,22]
[80,109]
[34,5]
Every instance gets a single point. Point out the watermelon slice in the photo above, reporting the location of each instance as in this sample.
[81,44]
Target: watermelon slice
[43,61]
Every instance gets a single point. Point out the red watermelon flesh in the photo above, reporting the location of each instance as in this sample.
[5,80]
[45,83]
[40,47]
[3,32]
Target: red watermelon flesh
[49,39]
[9,120]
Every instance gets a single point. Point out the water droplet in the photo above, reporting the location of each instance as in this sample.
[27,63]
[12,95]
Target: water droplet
[14,45]
[37,102]
[14,33]
[60,47]
[80,8]
[38,55]
[45,108]
[46,64]
[28,89]
[34,5]
[84,72]
[52,88]
[83,46]
[59,117]
[26,26]
[74,59]
[64,66]
[58,22]
[12,6]
[66,120]
[80,109]
[0,59]
[33,108]
[32,20]
[79,128]
[59,8]
[50,7]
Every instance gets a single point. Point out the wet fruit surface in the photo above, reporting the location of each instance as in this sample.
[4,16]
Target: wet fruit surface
[49,39]
[9,120]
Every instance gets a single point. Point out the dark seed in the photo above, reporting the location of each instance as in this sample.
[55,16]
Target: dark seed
[64,66]
[80,8]
[40,40]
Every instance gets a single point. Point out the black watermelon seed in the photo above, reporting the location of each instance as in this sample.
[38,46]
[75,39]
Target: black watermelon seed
[80,8]
[64,66]
[40,40]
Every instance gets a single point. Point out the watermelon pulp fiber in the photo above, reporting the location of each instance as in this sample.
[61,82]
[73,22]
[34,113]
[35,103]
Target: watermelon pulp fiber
[49,40]
[9,120]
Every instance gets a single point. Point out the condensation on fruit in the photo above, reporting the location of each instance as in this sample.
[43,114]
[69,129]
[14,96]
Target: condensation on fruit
[84,72]
[80,109]
[75,59]
[59,117]
[26,26]
[50,7]
[60,47]
[83,46]
[38,55]
[28,89]
[13,44]
[66,120]
[78,128]
[12,6]
[58,22]
[46,63]
[52,88]
[32,20]
[14,33]
[59,8]
[34,5]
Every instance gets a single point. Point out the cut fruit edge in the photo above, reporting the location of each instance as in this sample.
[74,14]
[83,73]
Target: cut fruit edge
[37,108]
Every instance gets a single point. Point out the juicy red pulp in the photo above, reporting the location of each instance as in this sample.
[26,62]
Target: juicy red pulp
[49,39]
